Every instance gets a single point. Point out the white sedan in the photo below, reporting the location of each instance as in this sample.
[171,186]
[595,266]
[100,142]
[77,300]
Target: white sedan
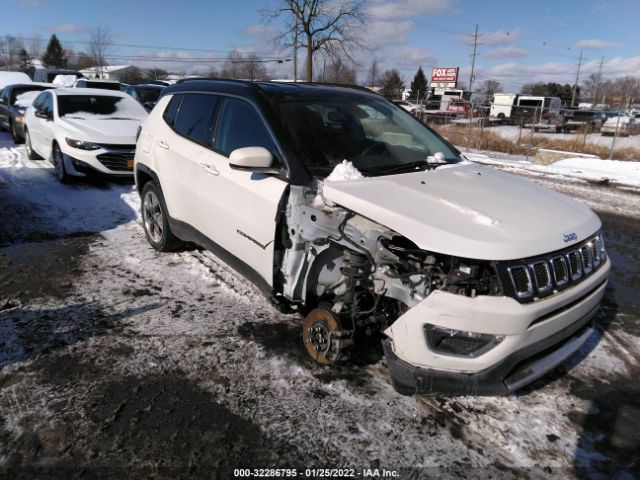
[84,131]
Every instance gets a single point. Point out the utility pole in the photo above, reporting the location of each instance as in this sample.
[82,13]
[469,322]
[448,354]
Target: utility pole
[473,58]
[575,85]
[295,47]
[598,82]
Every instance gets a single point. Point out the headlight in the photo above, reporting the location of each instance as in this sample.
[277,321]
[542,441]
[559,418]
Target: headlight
[457,342]
[82,145]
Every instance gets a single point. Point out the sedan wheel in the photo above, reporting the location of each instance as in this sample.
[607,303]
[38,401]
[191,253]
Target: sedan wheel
[58,163]
[31,154]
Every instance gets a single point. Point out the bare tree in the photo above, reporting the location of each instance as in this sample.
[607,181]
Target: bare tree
[35,46]
[339,71]
[253,67]
[232,67]
[328,26]
[490,87]
[10,47]
[100,45]
[373,79]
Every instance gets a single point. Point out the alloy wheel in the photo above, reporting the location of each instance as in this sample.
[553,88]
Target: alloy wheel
[153,219]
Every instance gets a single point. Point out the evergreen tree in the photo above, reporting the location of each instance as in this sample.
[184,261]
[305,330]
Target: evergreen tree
[419,85]
[54,56]
[392,84]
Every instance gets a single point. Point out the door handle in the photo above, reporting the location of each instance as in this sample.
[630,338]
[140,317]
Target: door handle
[163,144]
[209,169]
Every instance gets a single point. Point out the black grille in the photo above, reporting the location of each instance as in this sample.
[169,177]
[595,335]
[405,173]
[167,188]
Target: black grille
[537,277]
[117,160]
[559,268]
[521,280]
[114,146]
[541,274]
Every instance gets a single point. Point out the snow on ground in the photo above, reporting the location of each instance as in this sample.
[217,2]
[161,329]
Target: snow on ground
[150,364]
[513,132]
[617,172]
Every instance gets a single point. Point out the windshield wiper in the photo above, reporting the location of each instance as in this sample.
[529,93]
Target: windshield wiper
[411,166]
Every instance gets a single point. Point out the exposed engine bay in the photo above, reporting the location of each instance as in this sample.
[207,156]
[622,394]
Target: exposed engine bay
[354,277]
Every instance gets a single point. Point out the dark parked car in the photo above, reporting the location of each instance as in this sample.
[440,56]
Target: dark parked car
[580,119]
[146,95]
[14,101]
[47,75]
[103,84]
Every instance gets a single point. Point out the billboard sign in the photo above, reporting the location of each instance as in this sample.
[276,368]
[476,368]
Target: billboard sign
[444,77]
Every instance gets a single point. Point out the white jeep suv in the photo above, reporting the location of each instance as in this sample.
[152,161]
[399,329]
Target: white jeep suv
[343,207]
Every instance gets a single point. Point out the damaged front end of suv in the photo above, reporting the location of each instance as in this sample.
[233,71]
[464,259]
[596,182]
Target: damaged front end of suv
[456,323]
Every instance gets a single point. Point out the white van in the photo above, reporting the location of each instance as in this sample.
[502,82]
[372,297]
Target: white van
[502,105]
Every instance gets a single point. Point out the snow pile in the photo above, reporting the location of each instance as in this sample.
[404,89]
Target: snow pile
[437,157]
[344,171]
[478,217]
[125,108]
[26,99]
[64,80]
[618,172]
[11,78]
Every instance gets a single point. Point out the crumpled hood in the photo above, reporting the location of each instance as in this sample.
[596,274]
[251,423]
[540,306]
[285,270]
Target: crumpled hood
[102,131]
[470,211]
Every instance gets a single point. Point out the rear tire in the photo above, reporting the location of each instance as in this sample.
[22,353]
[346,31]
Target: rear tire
[31,154]
[155,220]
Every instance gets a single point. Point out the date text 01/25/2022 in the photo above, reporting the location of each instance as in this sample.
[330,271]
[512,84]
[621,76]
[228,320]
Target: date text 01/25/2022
[315,473]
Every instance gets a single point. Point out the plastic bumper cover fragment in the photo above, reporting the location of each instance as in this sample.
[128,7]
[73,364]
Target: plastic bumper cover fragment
[513,372]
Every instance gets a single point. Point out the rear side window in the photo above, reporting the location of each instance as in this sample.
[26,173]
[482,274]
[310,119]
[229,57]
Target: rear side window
[171,111]
[195,117]
[239,126]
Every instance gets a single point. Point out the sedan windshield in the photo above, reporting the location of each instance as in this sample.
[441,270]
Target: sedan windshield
[375,135]
[100,107]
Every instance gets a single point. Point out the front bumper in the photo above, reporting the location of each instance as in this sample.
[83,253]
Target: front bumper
[79,163]
[515,371]
[539,334]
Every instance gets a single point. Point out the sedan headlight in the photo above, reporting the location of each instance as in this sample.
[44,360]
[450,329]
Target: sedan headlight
[458,342]
[82,145]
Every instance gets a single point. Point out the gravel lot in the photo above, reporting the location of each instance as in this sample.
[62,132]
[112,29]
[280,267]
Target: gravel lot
[120,362]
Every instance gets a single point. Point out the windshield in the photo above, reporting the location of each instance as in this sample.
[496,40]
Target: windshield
[100,106]
[377,136]
[148,94]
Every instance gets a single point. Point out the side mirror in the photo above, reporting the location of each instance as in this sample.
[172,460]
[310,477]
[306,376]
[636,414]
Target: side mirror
[252,159]
[45,115]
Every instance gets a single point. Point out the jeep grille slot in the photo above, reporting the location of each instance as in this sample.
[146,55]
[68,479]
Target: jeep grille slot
[548,274]
[521,280]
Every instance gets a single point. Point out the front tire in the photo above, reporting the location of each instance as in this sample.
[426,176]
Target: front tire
[31,154]
[17,139]
[58,164]
[155,220]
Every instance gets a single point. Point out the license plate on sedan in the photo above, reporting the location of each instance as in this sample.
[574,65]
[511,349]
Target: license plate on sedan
[130,163]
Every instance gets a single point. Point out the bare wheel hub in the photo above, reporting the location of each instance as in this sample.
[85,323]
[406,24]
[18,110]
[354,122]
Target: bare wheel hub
[324,339]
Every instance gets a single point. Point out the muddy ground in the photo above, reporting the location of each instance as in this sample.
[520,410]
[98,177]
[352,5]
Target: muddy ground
[120,362]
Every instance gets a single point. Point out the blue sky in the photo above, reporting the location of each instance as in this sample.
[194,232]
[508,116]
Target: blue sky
[520,41]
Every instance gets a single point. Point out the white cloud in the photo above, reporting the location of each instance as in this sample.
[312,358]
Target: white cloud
[409,8]
[595,44]
[507,52]
[261,32]
[499,37]
[67,28]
